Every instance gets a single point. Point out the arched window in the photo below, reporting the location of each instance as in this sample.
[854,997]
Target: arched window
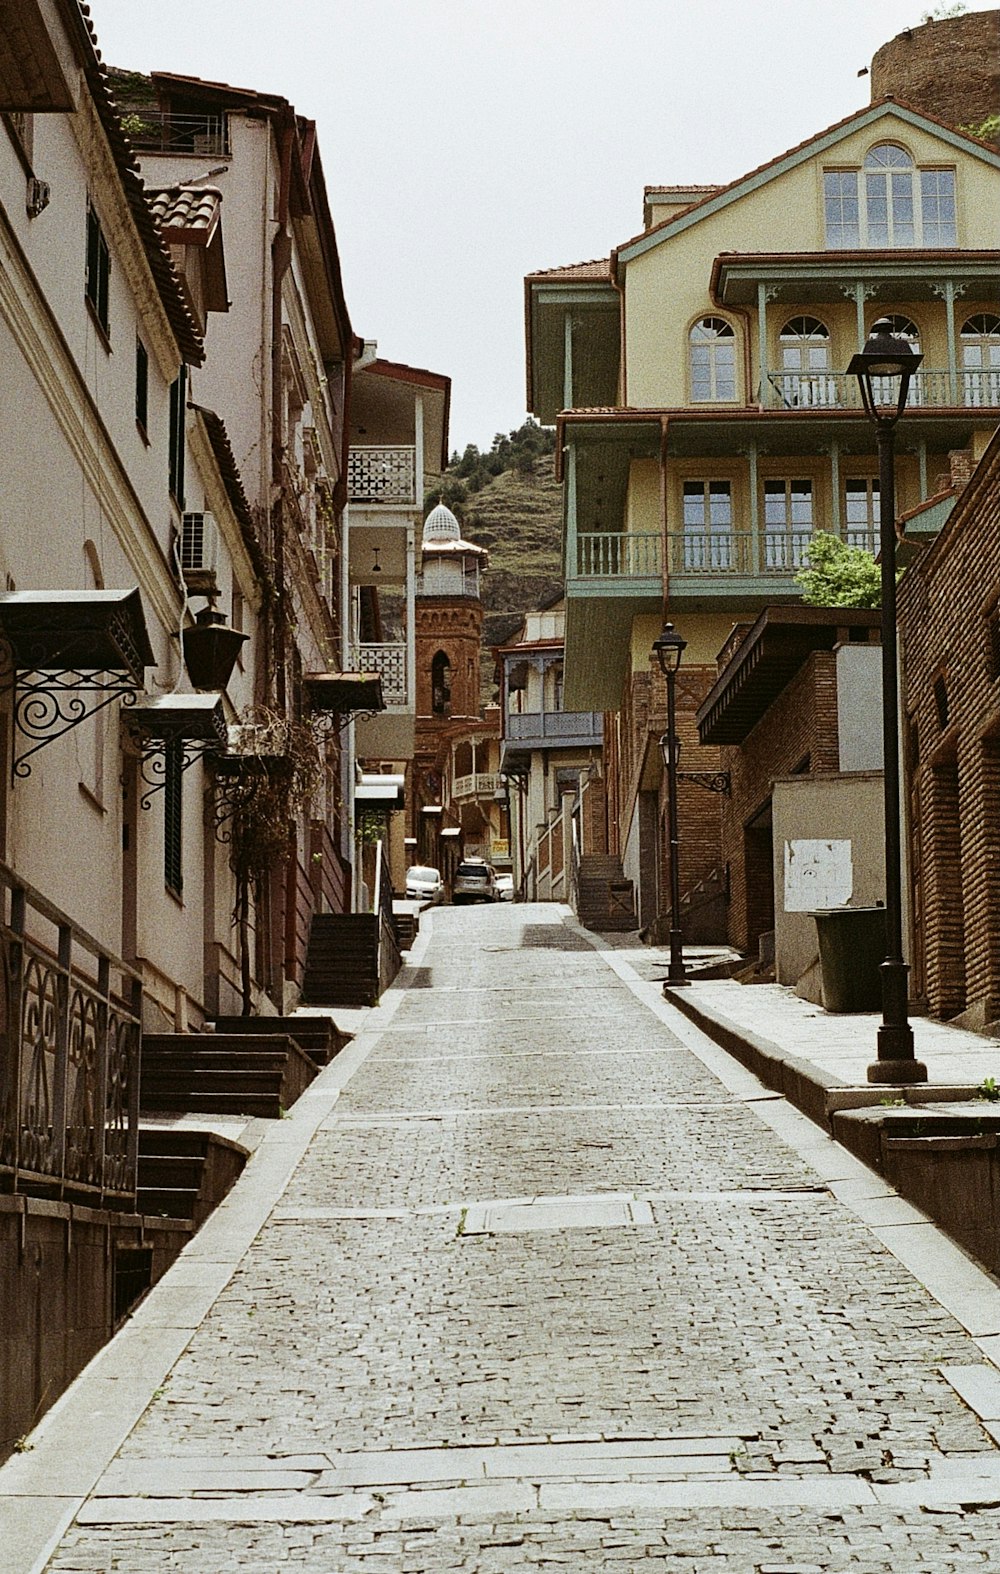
[903,328]
[805,362]
[713,360]
[441,684]
[981,359]
[889,206]
[889,202]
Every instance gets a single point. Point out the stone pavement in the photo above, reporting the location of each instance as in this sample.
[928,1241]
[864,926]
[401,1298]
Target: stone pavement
[535,1276]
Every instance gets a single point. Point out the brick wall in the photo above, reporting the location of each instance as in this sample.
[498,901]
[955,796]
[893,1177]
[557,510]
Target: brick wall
[455,626]
[799,731]
[948,68]
[949,607]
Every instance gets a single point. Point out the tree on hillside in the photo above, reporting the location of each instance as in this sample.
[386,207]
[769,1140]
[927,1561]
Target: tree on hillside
[518,450]
[838,575]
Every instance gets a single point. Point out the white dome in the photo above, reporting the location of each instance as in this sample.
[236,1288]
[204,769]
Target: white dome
[441,525]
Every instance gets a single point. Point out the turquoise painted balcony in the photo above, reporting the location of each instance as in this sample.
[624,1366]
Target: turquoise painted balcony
[614,559]
[971,388]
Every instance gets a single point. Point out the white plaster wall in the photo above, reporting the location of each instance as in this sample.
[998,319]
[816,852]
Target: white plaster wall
[859,707]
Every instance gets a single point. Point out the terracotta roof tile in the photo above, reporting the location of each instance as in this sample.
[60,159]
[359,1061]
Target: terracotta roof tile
[597,269]
[188,212]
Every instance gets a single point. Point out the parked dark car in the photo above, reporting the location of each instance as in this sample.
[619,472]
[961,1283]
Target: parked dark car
[474,882]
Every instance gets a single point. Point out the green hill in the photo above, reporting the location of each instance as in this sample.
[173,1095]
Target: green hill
[510,502]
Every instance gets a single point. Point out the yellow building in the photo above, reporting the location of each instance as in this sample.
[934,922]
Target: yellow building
[707,426]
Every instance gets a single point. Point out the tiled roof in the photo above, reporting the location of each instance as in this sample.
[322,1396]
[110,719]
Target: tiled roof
[190,213]
[597,269]
[671,185]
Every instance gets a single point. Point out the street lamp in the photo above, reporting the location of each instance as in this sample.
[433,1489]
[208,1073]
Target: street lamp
[884,369]
[669,647]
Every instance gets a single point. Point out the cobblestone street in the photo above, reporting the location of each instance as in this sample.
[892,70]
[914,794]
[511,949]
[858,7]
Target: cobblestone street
[546,1291]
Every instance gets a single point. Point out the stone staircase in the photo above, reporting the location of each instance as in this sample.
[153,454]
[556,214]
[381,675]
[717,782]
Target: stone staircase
[222,1073]
[605,899]
[319,1036]
[347,963]
[185,1174]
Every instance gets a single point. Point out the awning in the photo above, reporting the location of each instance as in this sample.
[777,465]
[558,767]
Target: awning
[79,631]
[345,691]
[387,796]
[195,718]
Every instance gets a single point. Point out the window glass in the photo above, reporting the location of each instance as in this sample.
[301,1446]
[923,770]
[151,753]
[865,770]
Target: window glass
[981,360]
[708,525]
[141,383]
[713,360]
[788,522]
[843,213]
[98,269]
[861,511]
[937,203]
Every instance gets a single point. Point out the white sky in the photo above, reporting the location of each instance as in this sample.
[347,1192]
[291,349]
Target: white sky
[467,144]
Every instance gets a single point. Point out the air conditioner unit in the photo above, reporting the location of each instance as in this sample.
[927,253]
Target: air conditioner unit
[199,544]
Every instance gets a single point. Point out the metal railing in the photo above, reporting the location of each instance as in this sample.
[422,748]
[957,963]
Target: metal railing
[711,554]
[389,661]
[69,1055]
[555,724]
[618,555]
[481,785]
[382,475]
[161,131]
[967,388]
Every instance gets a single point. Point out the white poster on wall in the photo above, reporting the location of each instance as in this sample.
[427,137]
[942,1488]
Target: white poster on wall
[818,874]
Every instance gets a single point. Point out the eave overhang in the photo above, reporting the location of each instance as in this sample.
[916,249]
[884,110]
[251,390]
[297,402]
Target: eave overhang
[916,274]
[766,661]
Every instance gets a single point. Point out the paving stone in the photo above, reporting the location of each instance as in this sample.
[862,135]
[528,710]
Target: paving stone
[749,1380]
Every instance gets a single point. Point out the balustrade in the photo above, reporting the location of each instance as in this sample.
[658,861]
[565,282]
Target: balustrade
[618,555]
[382,475]
[70,1023]
[389,661]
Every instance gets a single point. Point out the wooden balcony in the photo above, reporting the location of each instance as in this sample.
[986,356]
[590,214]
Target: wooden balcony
[967,389]
[483,784]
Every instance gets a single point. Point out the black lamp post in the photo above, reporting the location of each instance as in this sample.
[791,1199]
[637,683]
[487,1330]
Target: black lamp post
[669,648]
[883,369]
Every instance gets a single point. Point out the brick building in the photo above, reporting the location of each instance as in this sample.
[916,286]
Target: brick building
[949,607]
[790,699]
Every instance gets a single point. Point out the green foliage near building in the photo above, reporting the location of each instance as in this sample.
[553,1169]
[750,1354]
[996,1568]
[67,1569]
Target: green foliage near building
[838,575]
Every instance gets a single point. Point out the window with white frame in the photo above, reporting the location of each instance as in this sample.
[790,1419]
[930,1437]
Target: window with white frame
[889,203]
[861,512]
[713,361]
[708,526]
[788,522]
[981,360]
[805,363]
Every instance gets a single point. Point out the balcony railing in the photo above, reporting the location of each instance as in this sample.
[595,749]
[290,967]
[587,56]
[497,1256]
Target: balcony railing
[160,131]
[618,555]
[967,389]
[69,1055]
[389,661]
[740,552]
[385,476]
[482,785]
[554,725]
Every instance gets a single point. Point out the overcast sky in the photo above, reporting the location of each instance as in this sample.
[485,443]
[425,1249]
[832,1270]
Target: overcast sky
[466,144]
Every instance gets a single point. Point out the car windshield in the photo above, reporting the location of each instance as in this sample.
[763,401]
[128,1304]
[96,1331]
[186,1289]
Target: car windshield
[418,872]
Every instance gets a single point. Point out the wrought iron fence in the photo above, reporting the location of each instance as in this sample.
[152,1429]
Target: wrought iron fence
[161,131]
[70,1023]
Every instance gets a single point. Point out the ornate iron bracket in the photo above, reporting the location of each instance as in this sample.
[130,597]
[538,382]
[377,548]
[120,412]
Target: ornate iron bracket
[712,781]
[238,779]
[153,758]
[49,704]
[328,723]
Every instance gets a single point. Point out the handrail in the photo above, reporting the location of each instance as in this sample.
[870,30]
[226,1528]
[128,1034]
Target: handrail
[69,1055]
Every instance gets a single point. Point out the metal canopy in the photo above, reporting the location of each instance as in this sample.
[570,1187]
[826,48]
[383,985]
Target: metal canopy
[62,645]
[766,661]
[342,692]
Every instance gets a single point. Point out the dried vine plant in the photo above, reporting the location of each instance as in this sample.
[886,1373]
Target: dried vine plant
[283,770]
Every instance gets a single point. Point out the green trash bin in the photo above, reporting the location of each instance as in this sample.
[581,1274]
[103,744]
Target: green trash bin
[851,951]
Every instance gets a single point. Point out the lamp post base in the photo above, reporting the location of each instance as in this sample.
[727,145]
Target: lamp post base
[896,1063]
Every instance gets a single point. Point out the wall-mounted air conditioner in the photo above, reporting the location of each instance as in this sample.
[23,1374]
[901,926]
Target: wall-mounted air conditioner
[199,544]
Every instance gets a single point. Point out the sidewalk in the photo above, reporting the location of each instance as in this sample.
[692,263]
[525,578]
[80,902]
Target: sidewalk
[787,1041]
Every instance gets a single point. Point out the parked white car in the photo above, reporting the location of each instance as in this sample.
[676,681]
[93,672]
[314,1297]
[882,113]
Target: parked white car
[424,884]
[505,887]
[474,882]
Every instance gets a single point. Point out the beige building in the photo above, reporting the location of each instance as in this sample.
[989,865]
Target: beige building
[706,424]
